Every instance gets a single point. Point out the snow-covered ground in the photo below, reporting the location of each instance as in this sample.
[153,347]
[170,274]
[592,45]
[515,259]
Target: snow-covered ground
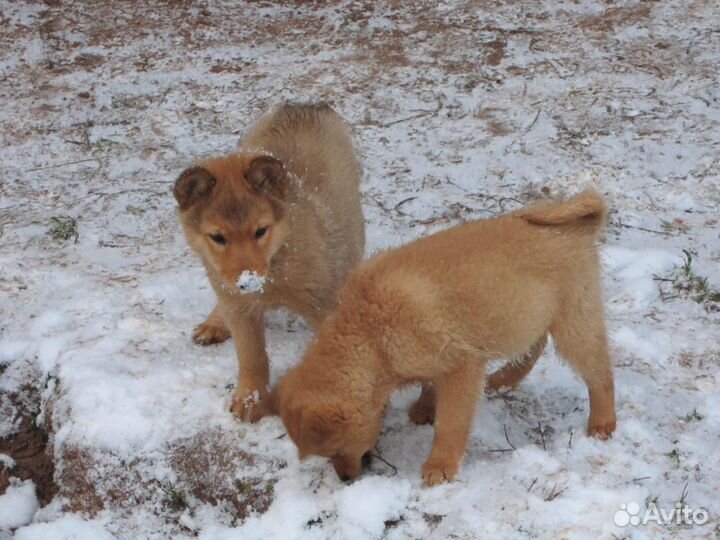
[461,110]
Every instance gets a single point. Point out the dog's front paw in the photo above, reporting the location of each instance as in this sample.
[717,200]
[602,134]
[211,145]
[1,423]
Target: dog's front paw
[422,412]
[436,471]
[250,405]
[207,334]
[601,430]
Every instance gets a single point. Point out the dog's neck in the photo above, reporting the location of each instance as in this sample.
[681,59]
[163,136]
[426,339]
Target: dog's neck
[352,365]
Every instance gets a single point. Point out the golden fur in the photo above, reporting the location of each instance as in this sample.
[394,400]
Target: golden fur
[435,311]
[286,206]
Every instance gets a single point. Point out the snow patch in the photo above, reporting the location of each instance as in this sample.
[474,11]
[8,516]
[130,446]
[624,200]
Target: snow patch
[287,517]
[250,282]
[11,350]
[655,347]
[18,505]
[7,461]
[66,528]
[365,506]
[636,269]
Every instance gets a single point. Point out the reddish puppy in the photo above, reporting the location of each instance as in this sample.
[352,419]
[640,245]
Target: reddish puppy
[277,224]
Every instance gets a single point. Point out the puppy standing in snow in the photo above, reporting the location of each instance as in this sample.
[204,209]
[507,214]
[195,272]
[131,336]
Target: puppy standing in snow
[435,311]
[278,223]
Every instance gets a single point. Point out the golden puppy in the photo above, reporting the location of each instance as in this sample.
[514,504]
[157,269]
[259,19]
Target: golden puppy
[435,311]
[278,223]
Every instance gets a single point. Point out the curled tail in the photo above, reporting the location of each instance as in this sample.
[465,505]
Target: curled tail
[587,210]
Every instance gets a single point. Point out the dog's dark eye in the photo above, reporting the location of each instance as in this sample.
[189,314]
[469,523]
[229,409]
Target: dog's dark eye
[218,239]
[260,233]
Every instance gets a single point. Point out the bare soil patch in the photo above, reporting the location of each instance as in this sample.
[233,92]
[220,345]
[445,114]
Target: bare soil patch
[28,448]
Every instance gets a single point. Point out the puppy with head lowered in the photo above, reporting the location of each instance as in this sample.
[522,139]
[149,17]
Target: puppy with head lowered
[276,224]
[436,311]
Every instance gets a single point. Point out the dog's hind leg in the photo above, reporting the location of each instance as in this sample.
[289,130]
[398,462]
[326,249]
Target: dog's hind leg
[512,373]
[579,336]
[423,410]
[213,330]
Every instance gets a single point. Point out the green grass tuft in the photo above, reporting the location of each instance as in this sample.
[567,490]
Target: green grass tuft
[693,416]
[686,283]
[63,228]
[174,498]
[674,455]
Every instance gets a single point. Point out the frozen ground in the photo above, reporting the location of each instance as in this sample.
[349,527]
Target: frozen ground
[461,110]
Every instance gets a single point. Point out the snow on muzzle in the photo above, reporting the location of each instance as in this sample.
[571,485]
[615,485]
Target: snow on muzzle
[250,281]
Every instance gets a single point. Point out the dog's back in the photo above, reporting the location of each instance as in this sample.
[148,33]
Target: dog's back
[532,240]
[314,143]
[522,267]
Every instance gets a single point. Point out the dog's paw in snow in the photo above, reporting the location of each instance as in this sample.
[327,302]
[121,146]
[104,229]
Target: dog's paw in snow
[601,430]
[209,333]
[436,471]
[250,405]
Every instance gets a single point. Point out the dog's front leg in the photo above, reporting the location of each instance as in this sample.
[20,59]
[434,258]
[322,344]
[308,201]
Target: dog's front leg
[457,394]
[251,390]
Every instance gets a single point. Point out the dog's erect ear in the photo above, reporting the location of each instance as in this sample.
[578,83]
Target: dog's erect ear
[266,175]
[192,185]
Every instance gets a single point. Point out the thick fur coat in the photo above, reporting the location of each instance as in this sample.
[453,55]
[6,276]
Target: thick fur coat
[436,311]
[284,211]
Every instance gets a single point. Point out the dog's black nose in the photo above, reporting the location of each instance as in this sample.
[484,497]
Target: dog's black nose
[344,477]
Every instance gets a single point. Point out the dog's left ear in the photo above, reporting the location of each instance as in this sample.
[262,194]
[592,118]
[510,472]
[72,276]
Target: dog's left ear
[267,175]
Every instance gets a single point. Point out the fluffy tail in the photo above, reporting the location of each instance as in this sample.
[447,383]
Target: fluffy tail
[586,210]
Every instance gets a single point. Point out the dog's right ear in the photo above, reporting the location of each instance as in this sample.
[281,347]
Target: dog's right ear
[192,185]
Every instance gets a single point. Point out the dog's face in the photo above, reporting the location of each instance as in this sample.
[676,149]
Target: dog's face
[330,429]
[232,210]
